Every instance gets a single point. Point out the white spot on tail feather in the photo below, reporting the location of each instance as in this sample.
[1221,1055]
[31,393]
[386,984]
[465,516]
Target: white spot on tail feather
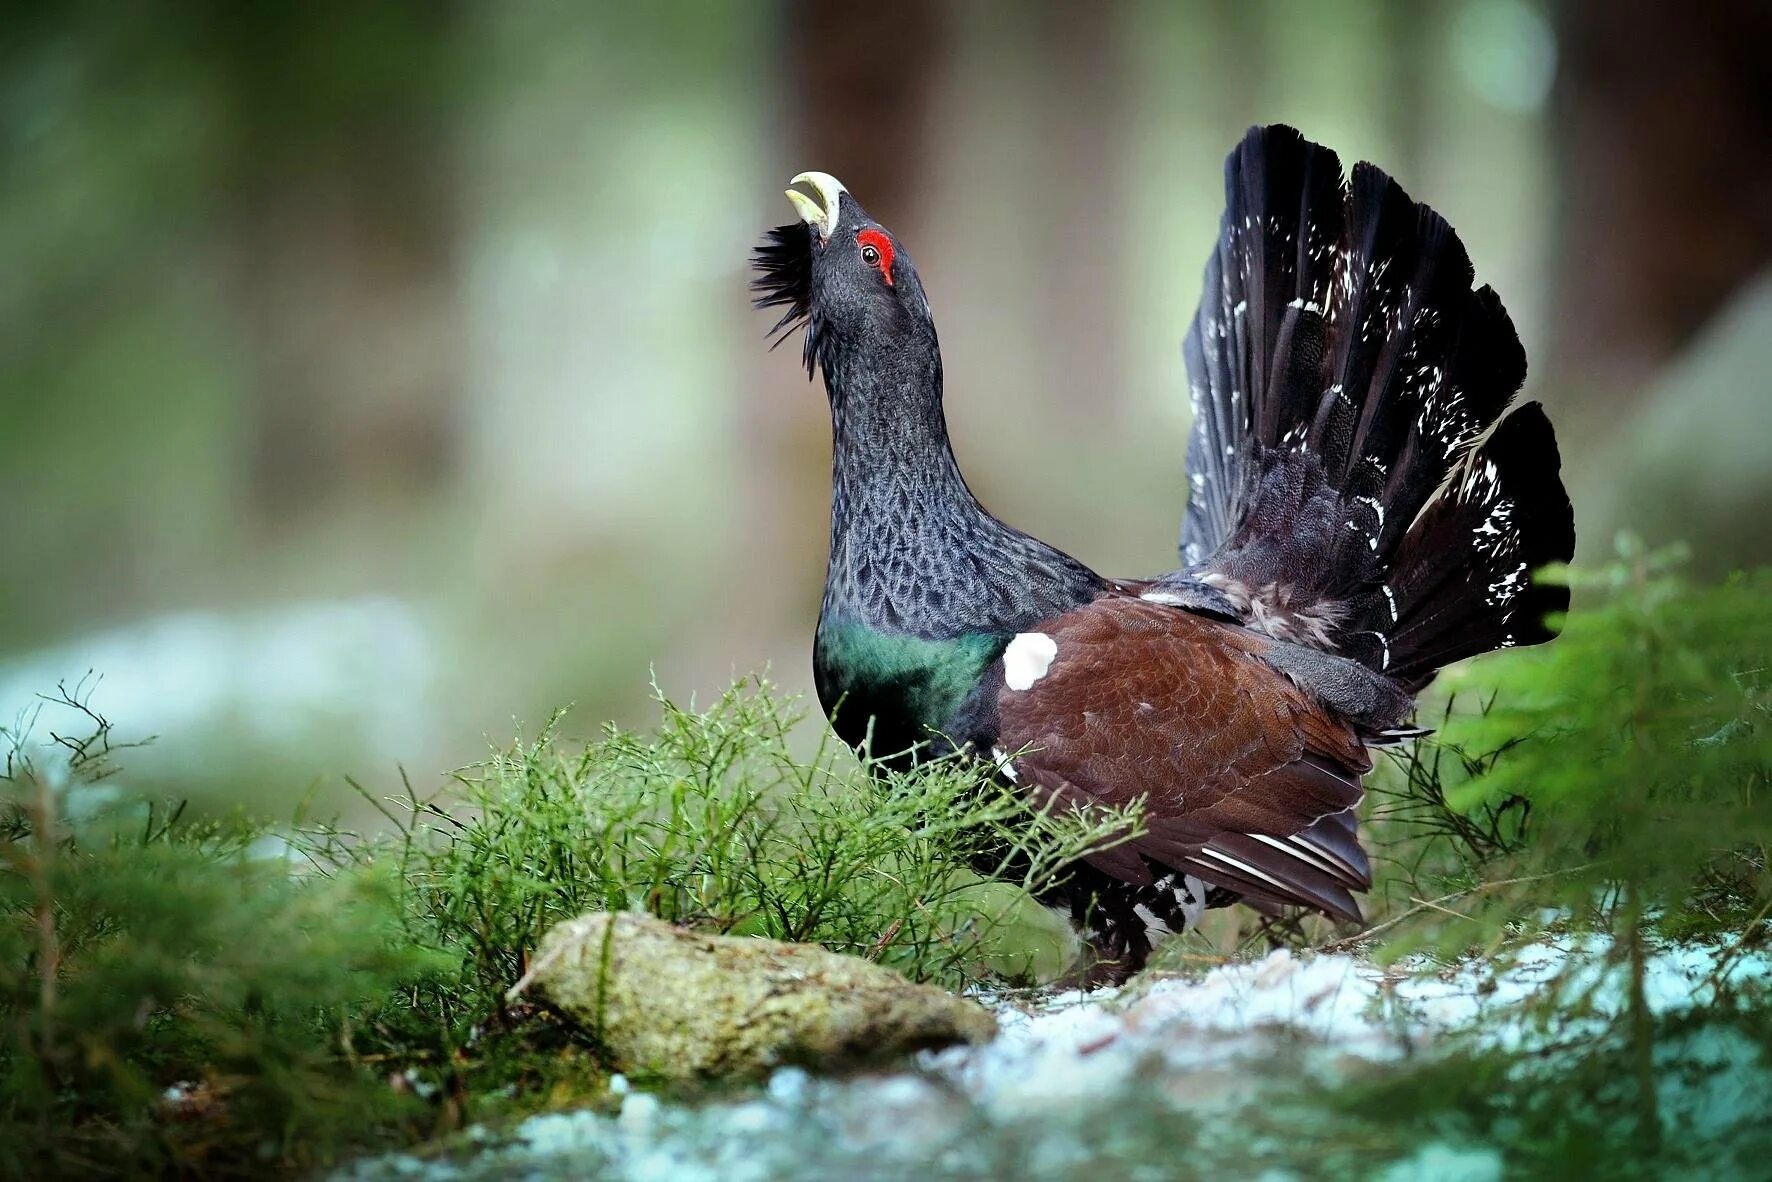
[1191,896]
[1153,926]
[1027,658]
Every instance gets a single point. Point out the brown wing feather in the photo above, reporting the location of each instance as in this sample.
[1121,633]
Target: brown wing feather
[1247,782]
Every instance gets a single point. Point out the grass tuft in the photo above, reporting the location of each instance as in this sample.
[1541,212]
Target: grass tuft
[183,994]
[710,821]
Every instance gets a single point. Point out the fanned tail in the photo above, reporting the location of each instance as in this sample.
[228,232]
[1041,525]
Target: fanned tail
[1349,485]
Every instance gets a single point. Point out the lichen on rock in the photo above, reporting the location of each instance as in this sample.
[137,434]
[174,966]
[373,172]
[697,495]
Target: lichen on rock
[677,1004]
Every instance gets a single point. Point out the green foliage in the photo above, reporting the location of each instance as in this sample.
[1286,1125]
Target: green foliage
[711,821]
[1639,743]
[1573,1108]
[210,996]
[139,951]
[1610,794]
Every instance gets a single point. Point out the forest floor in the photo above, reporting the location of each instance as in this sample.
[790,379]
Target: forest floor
[1290,1066]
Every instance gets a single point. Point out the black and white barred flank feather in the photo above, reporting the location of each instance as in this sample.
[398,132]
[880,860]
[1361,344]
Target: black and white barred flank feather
[1343,373]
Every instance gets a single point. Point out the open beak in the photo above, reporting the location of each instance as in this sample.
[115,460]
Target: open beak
[821,215]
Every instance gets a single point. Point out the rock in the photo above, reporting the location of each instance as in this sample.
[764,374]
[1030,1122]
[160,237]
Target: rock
[683,1005]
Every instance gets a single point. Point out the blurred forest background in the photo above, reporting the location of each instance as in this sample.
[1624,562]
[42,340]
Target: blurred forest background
[375,375]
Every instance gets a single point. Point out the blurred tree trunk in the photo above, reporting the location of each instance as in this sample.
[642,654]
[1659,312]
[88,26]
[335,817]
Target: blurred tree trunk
[1664,113]
[860,83]
[344,250]
[346,268]
[1082,91]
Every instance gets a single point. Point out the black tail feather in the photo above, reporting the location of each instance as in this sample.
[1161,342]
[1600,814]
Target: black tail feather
[1504,516]
[1342,369]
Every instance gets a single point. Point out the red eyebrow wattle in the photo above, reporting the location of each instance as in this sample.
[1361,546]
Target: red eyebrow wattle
[883,244]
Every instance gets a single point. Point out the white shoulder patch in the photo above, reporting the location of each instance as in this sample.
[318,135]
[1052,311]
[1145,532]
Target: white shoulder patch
[1027,658]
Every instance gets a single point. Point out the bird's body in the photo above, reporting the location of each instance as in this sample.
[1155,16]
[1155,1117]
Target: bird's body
[1356,520]
[924,589]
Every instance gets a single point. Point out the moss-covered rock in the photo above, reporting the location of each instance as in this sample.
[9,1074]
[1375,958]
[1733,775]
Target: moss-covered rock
[678,1004]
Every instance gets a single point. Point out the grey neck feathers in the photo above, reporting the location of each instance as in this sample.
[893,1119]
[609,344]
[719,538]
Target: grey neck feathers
[912,551]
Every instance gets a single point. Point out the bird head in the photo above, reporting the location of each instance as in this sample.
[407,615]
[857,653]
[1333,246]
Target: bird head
[841,275]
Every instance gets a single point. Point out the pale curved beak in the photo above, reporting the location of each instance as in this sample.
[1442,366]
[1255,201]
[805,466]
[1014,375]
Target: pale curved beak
[821,215]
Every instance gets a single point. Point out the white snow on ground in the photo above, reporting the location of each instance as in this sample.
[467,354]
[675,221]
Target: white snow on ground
[1062,1088]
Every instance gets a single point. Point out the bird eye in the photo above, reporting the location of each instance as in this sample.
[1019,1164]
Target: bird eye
[876,252]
